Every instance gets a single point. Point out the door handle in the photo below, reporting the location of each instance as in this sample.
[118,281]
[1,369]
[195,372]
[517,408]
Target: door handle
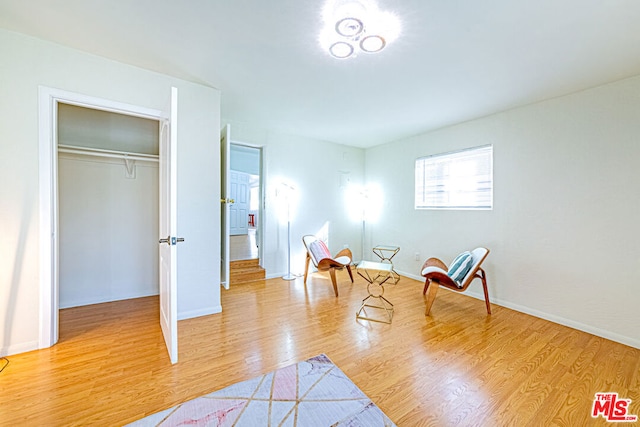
[171,240]
[232,201]
[176,240]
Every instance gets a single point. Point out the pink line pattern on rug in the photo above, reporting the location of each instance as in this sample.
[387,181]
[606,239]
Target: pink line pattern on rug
[311,393]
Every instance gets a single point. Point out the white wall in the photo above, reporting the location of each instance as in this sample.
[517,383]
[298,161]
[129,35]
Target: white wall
[313,167]
[564,230]
[27,63]
[245,159]
[108,230]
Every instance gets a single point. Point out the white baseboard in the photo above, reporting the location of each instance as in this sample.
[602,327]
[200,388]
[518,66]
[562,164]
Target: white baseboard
[280,275]
[547,316]
[181,315]
[563,321]
[103,299]
[18,348]
[198,313]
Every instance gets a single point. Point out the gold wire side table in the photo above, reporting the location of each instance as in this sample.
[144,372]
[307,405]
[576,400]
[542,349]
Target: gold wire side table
[386,254]
[376,274]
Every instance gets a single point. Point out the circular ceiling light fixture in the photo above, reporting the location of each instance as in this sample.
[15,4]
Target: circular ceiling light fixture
[349,27]
[372,44]
[341,50]
[352,26]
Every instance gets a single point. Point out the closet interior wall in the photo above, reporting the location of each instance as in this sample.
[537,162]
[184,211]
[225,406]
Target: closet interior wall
[108,206]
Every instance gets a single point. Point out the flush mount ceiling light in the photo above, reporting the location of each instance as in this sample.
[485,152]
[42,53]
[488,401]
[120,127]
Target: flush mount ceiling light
[353,26]
[349,27]
[341,50]
[372,44]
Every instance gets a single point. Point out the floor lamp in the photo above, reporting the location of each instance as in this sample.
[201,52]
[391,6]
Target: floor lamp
[288,190]
[364,199]
[362,257]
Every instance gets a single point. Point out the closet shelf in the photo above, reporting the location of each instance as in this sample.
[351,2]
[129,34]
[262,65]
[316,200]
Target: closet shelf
[98,152]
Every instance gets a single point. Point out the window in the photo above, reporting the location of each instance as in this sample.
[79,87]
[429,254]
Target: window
[458,180]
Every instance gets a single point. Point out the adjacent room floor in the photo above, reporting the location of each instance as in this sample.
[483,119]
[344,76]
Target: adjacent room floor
[243,246]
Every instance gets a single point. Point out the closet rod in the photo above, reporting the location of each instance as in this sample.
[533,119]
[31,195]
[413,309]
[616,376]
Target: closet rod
[97,152]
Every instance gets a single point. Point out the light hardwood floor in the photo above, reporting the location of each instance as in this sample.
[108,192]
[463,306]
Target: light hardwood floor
[459,366]
[243,246]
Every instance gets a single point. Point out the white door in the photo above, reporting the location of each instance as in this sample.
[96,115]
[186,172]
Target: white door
[168,225]
[239,210]
[225,201]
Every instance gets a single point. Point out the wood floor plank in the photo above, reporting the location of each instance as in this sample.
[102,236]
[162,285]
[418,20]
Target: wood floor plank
[458,366]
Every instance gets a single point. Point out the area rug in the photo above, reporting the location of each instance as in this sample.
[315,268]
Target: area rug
[310,393]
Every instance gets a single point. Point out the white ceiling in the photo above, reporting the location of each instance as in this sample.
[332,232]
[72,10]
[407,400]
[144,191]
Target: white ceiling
[455,60]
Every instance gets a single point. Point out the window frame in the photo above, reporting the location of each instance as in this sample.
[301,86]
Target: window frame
[444,161]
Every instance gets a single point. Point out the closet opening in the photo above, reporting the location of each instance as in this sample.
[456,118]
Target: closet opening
[108,206]
[165,123]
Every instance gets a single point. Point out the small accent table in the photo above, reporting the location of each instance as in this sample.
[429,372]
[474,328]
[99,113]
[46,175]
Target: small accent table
[376,274]
[386,254]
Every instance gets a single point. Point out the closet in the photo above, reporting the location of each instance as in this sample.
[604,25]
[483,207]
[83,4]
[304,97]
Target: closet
[108,194]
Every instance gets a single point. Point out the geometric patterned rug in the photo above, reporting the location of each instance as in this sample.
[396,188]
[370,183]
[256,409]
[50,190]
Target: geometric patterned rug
[310,393]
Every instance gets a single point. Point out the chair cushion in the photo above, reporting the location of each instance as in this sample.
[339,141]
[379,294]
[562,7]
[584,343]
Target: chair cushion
[460,267]
[439,275]
[344,260]
[432,269]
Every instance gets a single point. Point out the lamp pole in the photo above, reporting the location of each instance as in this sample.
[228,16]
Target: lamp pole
[363,201]
[288,276]
[362,257]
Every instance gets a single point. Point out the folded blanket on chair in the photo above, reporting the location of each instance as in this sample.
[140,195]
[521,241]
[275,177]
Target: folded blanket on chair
[319,250]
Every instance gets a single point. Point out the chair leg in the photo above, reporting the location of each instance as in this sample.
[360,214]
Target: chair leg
[350,273]
[431,296]
[426,286]
[306,269]
[486,290]
[332,272]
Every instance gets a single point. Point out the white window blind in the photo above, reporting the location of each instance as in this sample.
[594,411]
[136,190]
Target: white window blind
[458,180]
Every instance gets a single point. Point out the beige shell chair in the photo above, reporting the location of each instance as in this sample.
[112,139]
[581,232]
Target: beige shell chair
[318,253]
[436,274]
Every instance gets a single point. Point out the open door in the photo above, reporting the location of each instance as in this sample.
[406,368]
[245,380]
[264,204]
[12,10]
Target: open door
[168,226]
[48,100]
[225,202]
[239,209]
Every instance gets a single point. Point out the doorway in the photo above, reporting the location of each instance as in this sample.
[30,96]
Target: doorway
[49,101]
[108,216]
[245,216]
